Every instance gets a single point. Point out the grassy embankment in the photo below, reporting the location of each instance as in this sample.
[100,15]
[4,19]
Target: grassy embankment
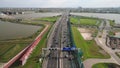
[105,65]
[10,49]
[89,48]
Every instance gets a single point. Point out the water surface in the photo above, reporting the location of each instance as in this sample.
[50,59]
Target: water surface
[115,17]
[36,15]
[13,30]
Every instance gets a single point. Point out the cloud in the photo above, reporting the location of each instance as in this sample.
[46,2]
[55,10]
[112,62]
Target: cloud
[54,3]
[59,3]
[101,3]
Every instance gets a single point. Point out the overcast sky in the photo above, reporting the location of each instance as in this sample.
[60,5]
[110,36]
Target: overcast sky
[60,3]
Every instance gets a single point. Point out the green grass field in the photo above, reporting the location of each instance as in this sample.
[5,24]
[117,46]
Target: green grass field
[9,50]
[48,19]
[88,21]
[105,65]
[118,54]
[85,21]
[112,23]
[89,48]
[112,32]
[74,20]
[100,65]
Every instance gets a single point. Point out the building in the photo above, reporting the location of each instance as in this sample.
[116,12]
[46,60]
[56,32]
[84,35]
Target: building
[113,42]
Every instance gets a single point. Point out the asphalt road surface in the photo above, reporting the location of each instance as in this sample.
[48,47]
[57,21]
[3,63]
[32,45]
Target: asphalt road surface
[59,38]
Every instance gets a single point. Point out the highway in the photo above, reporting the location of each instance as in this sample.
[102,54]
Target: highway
[65,41]
[53,56]
[58,39]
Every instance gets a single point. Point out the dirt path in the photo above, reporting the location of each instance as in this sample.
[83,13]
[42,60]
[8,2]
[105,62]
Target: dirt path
[86,33]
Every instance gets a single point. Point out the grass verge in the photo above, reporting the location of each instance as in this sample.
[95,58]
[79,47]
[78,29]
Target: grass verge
[105,65]
[118,54]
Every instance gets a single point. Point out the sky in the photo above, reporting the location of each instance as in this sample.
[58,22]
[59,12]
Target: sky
[60,3]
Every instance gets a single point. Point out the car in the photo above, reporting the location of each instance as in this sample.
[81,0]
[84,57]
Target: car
[67,46]
[113,48]
[66,49]
[66,56]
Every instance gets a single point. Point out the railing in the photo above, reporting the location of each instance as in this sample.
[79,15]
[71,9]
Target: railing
[76,54]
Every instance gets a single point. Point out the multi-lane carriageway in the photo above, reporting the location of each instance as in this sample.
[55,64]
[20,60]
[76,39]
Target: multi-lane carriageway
[60,38]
